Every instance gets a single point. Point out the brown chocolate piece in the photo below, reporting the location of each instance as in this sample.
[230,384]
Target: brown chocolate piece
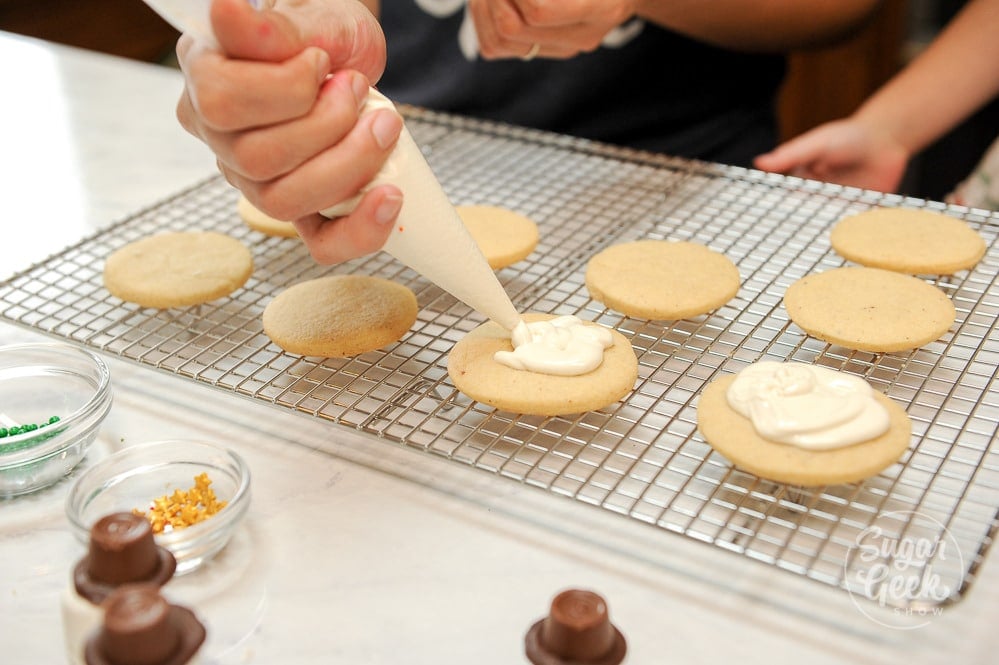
[122,550]
[577,630]
[141,628]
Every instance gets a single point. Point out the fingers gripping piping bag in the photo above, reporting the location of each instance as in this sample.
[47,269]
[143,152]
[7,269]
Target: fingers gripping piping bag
[427,222]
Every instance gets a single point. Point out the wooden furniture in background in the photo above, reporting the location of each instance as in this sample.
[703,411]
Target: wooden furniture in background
[126,28]
[830,83]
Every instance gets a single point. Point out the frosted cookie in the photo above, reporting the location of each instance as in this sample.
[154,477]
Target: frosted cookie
[477,374]
[869,309]
[340,315]
[261,221]
[178,269]
[918,242]
[735,437]
[658,279]
[504,236]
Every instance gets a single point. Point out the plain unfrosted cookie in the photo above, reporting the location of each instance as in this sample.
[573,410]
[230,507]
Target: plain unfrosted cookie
[339,315]
[261,221]
[475,373]
[869,309]
[735,438]
[659,279]
[918,242]
[178,269]
[504,236]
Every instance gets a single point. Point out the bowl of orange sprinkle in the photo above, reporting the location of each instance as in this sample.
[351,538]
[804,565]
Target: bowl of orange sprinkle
[193,493]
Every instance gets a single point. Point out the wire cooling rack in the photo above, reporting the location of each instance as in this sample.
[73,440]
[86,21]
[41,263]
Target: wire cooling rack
[931,516]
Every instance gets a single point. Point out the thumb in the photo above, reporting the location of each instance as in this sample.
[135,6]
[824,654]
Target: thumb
[247,34]
[348,32]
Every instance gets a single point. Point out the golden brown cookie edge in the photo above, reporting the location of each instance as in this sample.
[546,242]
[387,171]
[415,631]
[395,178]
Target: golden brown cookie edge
[734,438]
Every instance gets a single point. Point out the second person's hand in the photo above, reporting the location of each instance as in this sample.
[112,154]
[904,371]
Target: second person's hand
[527,28]
[846,152]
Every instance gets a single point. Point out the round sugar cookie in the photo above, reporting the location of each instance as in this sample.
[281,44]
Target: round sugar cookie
[734,437]
[474,372]
[178,269]
[917,242]
[504,236]
[339,315]
[261,221]
[869,309]
[659,279]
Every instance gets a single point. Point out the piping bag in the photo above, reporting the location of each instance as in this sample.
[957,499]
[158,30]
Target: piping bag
[429,236]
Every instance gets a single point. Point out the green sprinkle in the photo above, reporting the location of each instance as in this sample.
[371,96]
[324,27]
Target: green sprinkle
[36,439]
[15,430]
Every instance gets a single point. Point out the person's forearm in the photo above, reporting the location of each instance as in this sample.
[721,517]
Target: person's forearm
[759,25]
[957,74]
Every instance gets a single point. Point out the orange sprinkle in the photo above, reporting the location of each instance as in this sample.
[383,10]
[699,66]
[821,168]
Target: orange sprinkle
[183,508]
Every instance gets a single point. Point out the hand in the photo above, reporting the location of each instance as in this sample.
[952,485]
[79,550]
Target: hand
[560,28]
[846,152]
[280,107]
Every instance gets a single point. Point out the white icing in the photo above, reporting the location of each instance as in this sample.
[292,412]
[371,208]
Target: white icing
[564,346]
[807,406]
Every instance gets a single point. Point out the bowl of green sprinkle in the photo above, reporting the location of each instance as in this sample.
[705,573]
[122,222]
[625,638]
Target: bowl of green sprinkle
[53,399]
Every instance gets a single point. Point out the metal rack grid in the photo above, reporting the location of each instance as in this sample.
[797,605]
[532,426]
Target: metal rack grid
[641,458]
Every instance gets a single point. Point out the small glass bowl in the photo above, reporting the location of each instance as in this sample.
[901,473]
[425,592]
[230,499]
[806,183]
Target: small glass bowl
[38,381]
[134,477]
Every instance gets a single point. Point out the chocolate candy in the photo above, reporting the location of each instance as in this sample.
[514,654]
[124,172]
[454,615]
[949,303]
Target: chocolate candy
[122,550]
[577,630]
[141,628]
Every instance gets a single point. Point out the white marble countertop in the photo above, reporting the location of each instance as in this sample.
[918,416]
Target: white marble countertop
[356,550]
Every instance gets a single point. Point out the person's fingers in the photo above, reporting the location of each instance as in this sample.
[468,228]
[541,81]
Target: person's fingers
[796,153]
[362,232]
[770,161]
[513,41]
[355,160]
[490,44]
[185,114]
[271,151]
[511,28]
[249,34]
[235,94]
[351,35]
[493,45]
[184,45]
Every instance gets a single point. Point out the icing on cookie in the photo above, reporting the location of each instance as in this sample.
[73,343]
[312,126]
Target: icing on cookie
[564,346]
[807,406]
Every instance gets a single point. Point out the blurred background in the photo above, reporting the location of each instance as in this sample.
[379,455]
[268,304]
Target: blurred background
[822,84]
